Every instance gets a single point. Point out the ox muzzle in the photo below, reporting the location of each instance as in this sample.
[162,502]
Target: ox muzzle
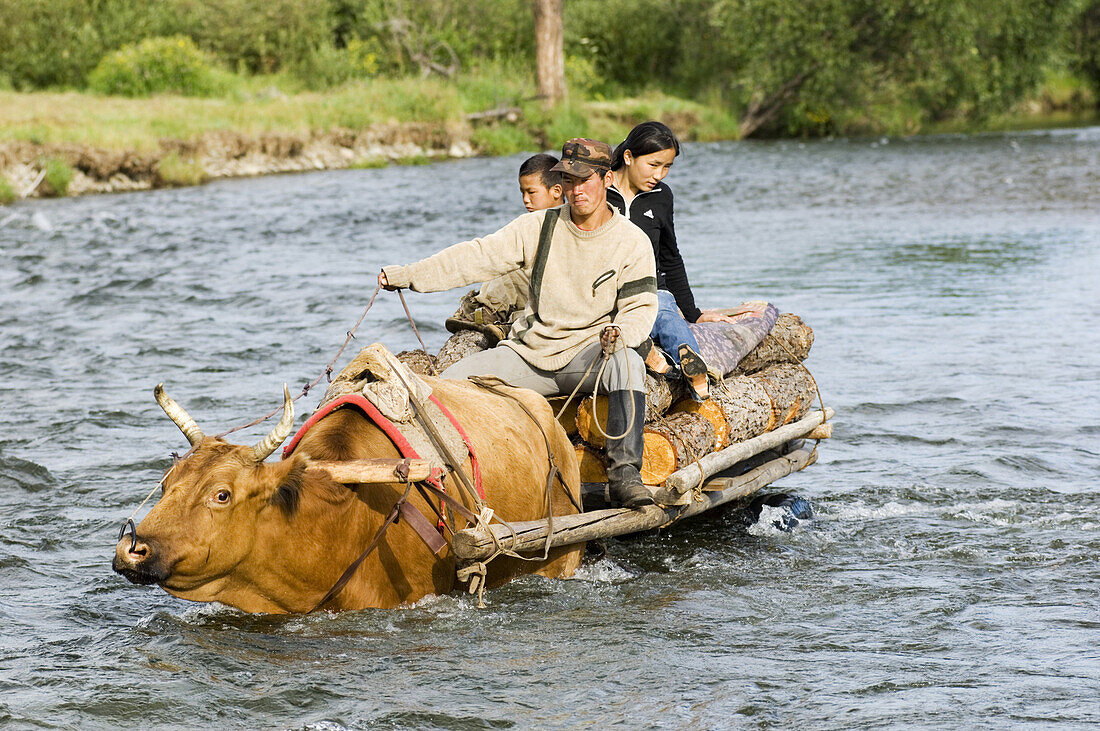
[136,558]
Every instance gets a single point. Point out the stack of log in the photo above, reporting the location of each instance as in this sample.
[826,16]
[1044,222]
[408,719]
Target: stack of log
[768,389]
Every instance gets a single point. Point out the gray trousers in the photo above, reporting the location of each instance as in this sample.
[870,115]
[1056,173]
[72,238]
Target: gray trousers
[625,370]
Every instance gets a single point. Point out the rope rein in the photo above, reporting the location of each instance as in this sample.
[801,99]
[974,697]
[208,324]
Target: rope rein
[327,373]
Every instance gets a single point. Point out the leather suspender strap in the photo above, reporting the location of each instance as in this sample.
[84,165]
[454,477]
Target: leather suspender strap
[542,253]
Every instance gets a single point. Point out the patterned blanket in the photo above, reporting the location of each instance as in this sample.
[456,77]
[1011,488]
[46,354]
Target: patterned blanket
[724,344]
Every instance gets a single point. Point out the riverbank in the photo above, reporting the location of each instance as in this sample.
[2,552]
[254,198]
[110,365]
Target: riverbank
[71,143]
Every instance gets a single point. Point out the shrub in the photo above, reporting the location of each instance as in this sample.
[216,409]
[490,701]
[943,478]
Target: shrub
[58,176]
[260,36]
[369,163]
[328,66]
[7,191]
[172,171]
[57,43]
[504,139]
[159,65]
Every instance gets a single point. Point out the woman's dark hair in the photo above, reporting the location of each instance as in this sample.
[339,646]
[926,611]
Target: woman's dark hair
[645,139]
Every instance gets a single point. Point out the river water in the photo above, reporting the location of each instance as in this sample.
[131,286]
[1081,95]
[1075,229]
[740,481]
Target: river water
[951,577]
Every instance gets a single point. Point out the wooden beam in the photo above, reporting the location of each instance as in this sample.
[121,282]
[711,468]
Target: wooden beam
[475,544]
[367,471]
[687,478]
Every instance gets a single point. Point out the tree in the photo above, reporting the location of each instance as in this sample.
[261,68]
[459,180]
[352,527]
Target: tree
[1085,36]
[549,50]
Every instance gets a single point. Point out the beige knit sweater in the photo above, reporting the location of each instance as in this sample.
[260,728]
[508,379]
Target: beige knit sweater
[589,279]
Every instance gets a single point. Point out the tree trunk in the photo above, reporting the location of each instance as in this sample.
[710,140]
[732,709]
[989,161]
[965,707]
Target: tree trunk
[763,111]
[458,346]
[419,362]
[788,342]
[549,51]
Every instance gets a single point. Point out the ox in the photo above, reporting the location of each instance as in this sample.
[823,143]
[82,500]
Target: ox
[276,536]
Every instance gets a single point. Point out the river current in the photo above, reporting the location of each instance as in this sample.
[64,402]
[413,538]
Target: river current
[950,578]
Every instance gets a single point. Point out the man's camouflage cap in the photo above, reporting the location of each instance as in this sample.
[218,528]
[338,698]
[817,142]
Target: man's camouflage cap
[581,157]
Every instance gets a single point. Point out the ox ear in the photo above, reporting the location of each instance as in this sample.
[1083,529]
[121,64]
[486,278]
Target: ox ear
[176,413]
[278,435]
[288,492]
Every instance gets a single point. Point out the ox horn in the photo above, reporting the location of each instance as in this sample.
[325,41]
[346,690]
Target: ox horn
[176,413]
[278,435]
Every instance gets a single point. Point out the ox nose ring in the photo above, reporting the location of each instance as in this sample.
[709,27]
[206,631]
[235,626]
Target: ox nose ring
[129,525]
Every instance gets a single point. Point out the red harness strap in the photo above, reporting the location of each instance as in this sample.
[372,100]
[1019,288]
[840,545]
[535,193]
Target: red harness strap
[466,441]
[389,429]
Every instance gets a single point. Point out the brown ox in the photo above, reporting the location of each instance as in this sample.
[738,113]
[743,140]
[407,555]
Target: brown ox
[275,537]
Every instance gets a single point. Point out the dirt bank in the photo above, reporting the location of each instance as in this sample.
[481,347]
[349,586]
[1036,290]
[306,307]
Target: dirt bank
[227,155]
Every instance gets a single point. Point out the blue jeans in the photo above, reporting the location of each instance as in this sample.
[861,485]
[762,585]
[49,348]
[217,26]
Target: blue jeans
[671,330]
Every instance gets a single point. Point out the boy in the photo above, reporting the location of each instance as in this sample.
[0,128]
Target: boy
[490,310]
[539,183]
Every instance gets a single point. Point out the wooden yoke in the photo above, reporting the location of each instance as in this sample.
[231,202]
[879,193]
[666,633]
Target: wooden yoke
[374,471]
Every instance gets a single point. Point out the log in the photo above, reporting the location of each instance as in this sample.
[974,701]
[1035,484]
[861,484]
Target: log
[368,471]
[712,412]
[690,476]
[587,427]
[747,406]
[691,436]
[509,114]
[591,463]
[789,336]
[475,544]
[660,394]
[791,390]
[458,346]
[742,407]
[568,418]
[419,362]
[658,458]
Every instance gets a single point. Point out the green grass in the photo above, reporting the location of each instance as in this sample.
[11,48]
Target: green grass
[7,191]
[504,139]
[369,163]
[58,176]
[435,109]
[414,160]
[277,104]
[117,123]
[174,171]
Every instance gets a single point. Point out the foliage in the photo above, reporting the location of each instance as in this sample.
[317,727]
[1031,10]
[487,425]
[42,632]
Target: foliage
[173,170]
[56,43]
[799,67]
[369,163]
[499,140]
[459,24]
[1085,45]
[158,65]
[329,66]
[257,36]
[58,176]
[7,191]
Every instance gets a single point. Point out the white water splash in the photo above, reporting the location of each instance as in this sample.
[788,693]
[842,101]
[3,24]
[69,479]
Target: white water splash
[604,571]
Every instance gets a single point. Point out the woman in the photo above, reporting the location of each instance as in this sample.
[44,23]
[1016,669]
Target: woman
[639,165]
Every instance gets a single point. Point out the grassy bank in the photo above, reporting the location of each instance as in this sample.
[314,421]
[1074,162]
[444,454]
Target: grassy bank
[264,126]
[117,123]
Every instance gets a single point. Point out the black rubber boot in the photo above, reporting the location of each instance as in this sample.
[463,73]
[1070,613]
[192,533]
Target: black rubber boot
[624,455]
[695,374]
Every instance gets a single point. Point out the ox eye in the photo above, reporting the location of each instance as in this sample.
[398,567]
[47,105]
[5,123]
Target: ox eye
[221,496]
